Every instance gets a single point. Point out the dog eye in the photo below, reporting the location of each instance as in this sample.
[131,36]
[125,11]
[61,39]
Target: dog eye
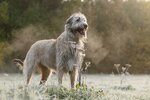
[78,20]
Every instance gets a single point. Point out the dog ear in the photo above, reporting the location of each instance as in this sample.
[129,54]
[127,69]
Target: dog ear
[69,20]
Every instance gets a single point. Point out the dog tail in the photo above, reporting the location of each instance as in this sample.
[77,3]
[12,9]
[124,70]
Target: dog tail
[19,63]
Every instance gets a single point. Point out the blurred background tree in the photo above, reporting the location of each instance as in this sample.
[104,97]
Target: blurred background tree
[119,30]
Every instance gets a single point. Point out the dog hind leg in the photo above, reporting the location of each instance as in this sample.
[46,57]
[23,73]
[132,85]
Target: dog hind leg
[45,73]
[28,69]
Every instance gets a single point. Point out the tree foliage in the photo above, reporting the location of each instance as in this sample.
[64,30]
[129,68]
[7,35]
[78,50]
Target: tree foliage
[119,30]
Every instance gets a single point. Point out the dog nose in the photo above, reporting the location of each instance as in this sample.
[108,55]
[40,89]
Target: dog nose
[85,26]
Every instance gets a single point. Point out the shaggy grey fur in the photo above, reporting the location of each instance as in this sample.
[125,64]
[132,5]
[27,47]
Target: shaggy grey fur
[64,54]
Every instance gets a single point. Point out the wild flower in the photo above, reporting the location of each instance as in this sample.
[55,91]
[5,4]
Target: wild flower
[117,67]
[82,76]
[122,71]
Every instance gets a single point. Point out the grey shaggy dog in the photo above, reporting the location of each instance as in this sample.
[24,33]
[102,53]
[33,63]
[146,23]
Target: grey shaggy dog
[64,54]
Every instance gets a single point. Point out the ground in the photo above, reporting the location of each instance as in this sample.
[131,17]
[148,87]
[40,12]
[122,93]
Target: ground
[99,87]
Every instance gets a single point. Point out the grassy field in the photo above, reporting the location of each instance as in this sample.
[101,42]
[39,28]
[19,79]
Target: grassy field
[99,87]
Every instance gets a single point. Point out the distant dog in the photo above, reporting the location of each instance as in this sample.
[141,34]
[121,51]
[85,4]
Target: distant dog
[64,54]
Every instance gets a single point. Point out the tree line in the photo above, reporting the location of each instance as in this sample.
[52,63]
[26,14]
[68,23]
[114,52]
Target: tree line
[119,30]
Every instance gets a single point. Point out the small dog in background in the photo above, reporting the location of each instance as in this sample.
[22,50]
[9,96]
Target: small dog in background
[64,54]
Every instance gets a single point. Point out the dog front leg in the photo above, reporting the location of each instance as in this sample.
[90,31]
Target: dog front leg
[60,76]
[73,77]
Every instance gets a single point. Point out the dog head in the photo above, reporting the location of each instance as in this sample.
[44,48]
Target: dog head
[77,25]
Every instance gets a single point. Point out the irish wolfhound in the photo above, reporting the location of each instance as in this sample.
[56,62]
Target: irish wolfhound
[64,54]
